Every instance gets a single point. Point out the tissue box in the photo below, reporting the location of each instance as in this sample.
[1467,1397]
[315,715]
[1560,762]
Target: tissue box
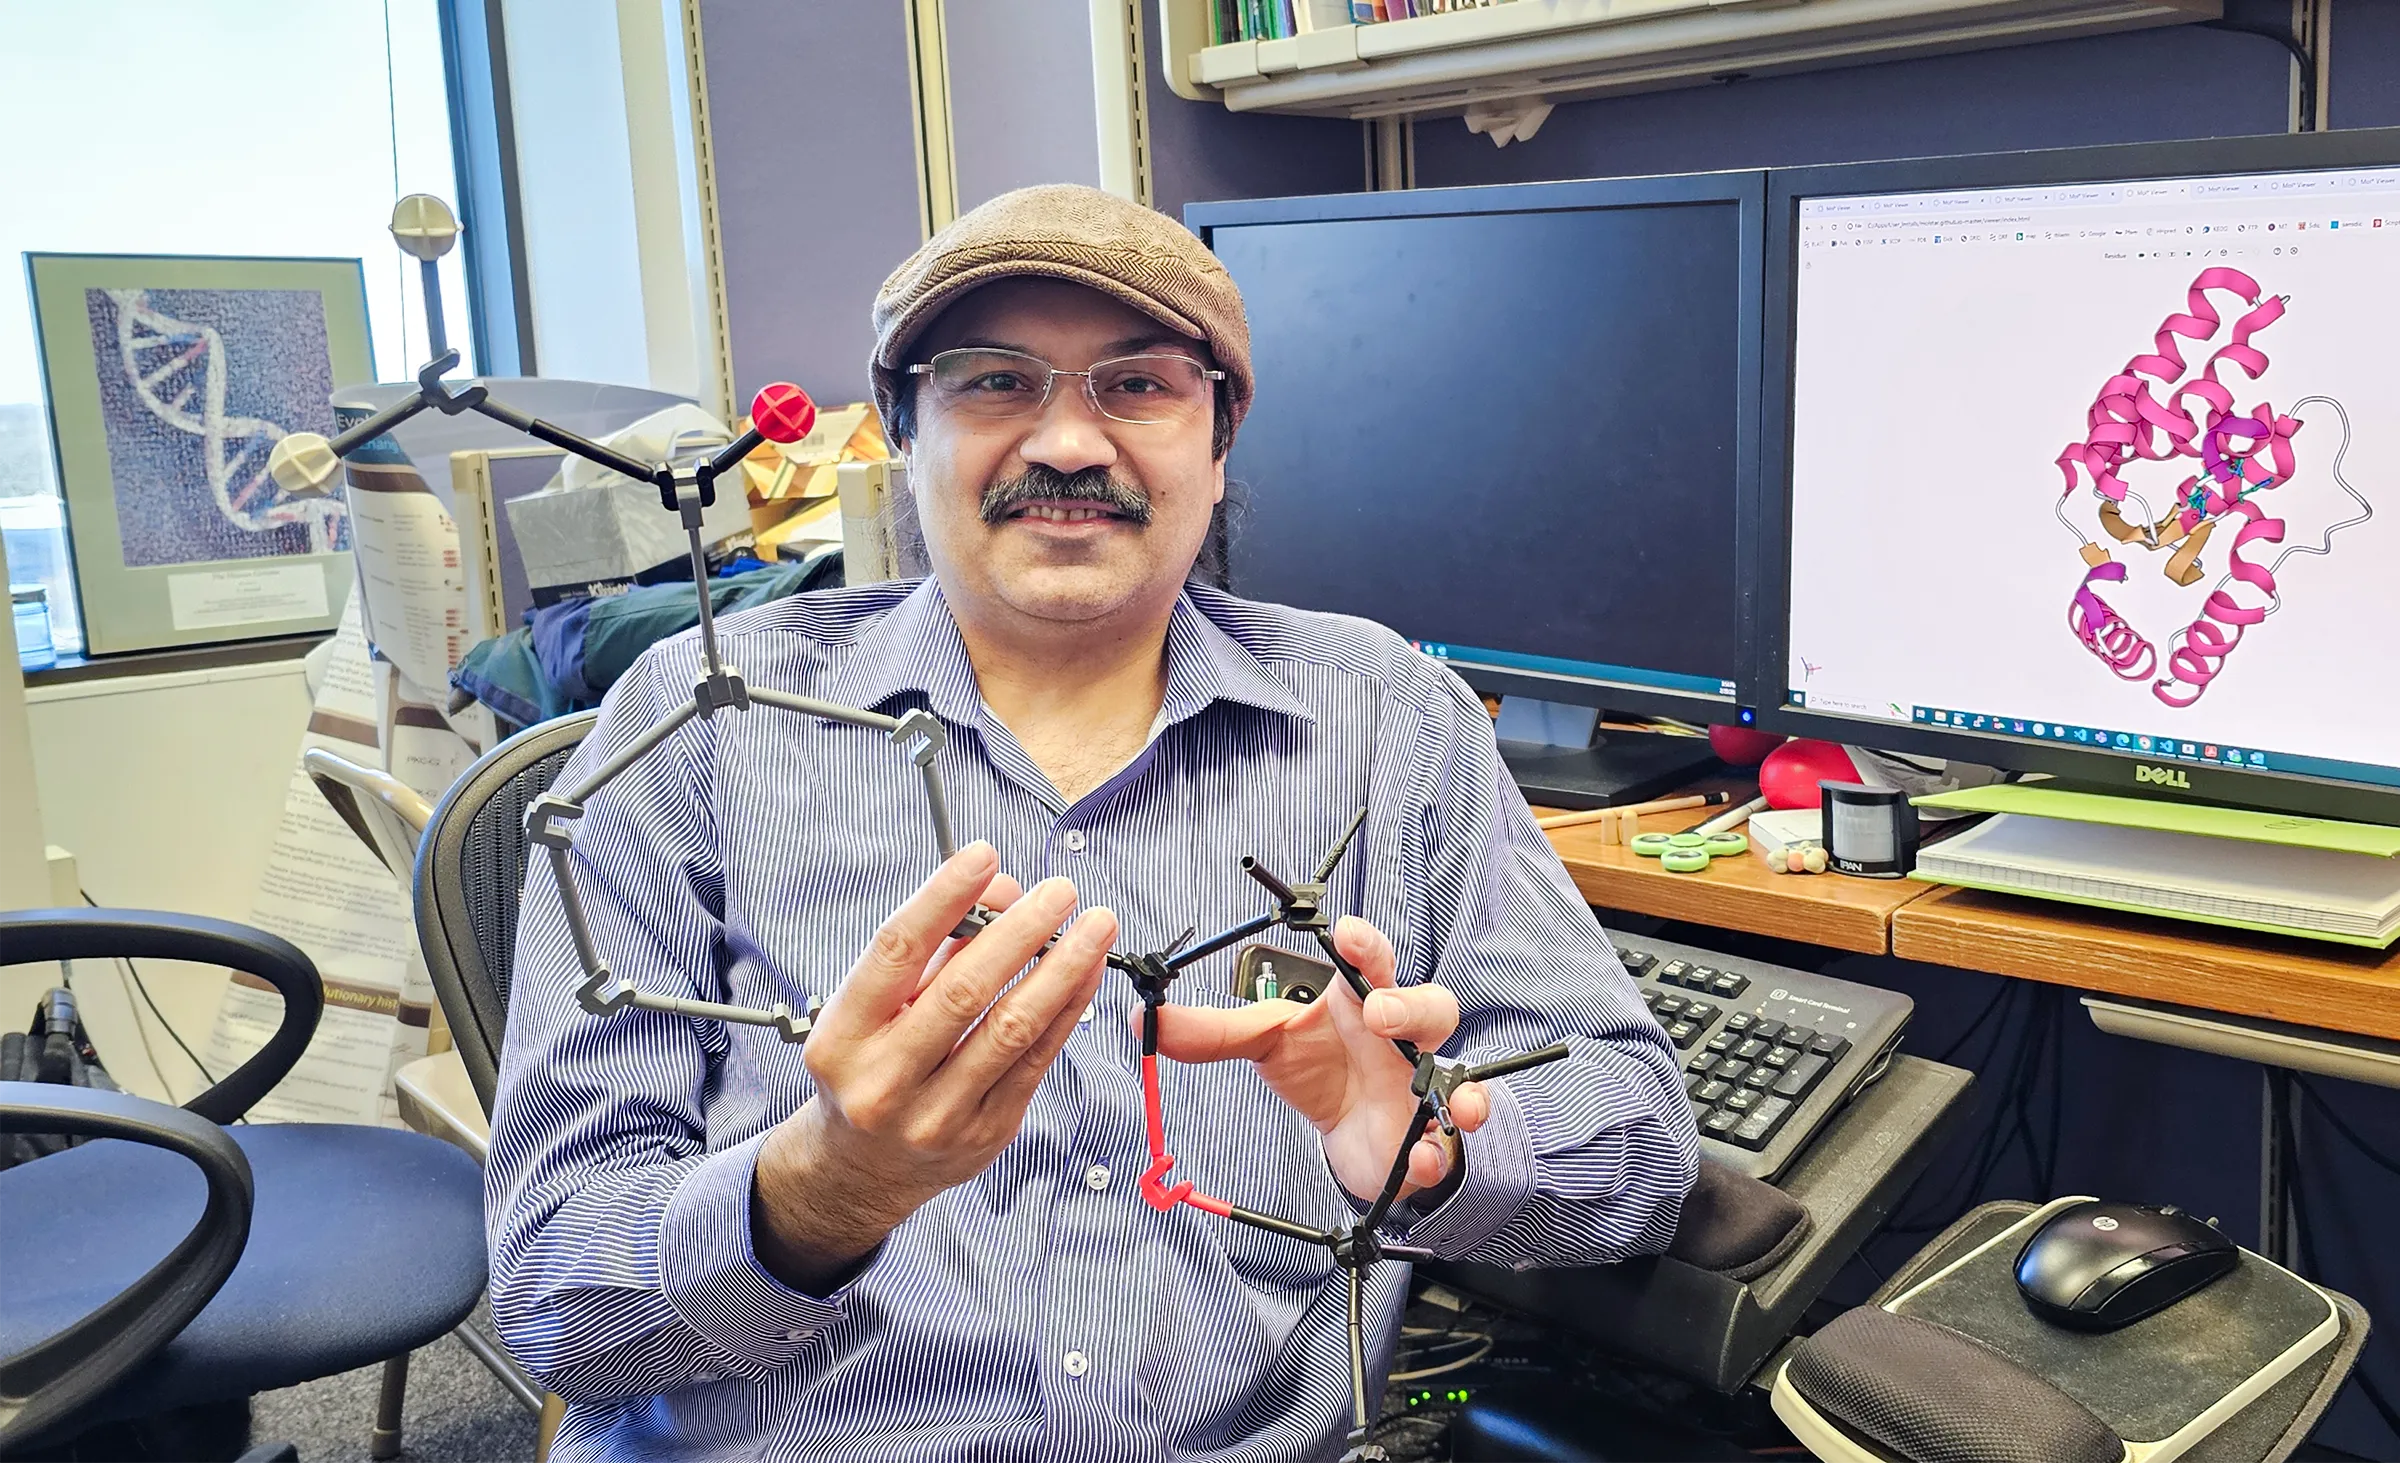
[576,540]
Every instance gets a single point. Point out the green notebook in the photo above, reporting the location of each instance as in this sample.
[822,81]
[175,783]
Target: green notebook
[2042,801]
[2310,878]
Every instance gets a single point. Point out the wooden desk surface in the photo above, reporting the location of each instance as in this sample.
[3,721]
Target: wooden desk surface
[1733,893]
[2305,982]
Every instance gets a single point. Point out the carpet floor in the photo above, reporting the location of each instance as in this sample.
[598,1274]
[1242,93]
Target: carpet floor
[456,1412]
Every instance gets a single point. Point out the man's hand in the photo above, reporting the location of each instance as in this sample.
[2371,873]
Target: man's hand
[1334,1061]
[923,1065]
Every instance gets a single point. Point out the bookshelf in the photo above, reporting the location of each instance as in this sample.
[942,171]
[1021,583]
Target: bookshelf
[1569,50]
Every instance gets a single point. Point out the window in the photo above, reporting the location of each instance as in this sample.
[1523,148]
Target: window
[261,127]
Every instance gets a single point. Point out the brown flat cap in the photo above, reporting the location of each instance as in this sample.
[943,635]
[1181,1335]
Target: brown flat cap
[1132,254]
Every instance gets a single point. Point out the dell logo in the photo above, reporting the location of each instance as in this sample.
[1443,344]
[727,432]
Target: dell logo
[2163,776]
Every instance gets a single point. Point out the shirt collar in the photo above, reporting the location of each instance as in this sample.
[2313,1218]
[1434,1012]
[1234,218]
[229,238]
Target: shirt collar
[1205,664]
[915,646]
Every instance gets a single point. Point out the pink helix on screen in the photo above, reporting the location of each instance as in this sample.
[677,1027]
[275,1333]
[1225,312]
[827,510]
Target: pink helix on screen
[2151,411]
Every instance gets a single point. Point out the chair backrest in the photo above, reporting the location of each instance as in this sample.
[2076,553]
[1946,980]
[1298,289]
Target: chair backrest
[470,871]
[387,814]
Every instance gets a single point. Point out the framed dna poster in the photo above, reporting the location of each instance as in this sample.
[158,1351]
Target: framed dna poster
[169,380]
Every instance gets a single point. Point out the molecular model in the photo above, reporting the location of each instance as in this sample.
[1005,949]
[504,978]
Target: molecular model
[2150,411]
[308,463]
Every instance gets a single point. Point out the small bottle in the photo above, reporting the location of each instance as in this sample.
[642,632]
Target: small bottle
[1268,990]
[29,608]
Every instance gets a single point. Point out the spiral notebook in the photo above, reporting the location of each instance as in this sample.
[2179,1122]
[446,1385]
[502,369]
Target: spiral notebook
[2315,893]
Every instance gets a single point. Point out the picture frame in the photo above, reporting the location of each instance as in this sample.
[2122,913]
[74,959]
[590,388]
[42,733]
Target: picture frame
[168,379]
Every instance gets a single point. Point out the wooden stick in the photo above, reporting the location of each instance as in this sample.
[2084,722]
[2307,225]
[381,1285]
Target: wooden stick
[1660,805]
[1733,819]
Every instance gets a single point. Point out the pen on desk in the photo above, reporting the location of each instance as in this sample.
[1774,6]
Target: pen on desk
[1658,805]
[1732,818]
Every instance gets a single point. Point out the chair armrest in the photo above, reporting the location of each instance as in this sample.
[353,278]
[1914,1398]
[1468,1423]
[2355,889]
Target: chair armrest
[28,936]
[50,1380]
[387,814]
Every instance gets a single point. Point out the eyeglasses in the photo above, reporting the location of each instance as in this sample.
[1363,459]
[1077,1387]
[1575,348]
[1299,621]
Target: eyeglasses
[996,385]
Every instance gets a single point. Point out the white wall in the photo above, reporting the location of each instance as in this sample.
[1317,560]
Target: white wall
[24,879]
[167,789]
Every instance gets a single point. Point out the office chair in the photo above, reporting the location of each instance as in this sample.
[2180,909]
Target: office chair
[320,1247]
[389,817]
[470,872]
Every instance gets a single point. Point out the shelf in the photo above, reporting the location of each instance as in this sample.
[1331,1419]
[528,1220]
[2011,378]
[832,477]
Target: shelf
[1566,50]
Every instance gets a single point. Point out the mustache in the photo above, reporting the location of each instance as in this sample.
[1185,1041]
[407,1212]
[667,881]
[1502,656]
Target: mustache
[1047,484]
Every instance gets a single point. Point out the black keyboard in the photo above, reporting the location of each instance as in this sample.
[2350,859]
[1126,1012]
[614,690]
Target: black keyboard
[1769,1053]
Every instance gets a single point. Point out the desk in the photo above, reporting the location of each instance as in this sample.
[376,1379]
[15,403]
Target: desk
[1832,910]
[2337,988]
[2305,983]
[2195,972]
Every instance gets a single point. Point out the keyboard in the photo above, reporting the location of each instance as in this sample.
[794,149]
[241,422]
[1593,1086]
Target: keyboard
[1768,1052]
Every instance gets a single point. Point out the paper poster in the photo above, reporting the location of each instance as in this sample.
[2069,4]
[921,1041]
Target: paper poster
[421,747]
[415,590]
[326,892]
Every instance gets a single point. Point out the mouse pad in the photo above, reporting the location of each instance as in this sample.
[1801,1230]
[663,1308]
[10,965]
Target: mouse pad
[2154,1377]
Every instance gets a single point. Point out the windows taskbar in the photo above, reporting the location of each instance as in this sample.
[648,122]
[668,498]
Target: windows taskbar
[2140,744]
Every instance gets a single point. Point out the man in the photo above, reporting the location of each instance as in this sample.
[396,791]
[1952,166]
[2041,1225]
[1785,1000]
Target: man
[921,1236]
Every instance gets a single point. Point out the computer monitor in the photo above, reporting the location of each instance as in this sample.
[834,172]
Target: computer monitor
[2088,463]
[1517,425]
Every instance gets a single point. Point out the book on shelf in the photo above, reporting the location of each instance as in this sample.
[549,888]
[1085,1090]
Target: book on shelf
[1275,20]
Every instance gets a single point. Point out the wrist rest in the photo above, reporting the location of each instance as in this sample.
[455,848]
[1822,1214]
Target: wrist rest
[2235,1373]
[1931,1395]
[1735,1225]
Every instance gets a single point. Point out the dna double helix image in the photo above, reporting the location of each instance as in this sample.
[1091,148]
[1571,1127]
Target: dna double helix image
[196,388]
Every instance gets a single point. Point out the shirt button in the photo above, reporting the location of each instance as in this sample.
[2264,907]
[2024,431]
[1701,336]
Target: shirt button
[1095,1178]
[795,1335]
[1076,1363]
[1074,840]
[1086,1018]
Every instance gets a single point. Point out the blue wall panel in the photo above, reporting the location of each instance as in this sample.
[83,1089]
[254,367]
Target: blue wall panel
[2364,90]
[810,116]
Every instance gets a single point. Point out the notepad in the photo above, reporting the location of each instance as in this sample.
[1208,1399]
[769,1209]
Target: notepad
[2315,893]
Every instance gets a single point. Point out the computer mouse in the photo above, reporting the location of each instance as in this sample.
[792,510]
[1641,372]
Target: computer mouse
[2098,1265]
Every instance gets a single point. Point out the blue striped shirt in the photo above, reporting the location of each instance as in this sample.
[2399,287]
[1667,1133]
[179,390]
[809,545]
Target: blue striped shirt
[1041,1310]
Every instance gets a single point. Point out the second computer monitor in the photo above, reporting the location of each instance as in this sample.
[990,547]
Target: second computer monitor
[1514,424]
[2089,465]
